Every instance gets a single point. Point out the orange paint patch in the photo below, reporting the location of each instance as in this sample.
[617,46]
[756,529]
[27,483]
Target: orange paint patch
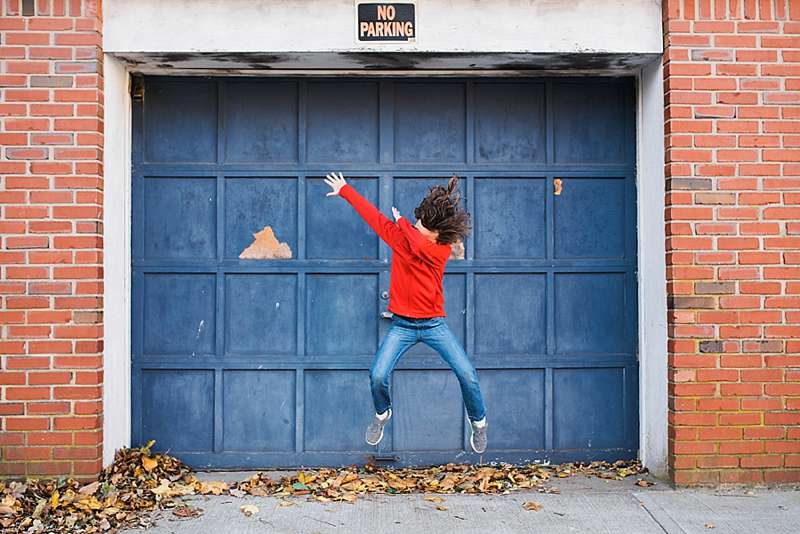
[266,247]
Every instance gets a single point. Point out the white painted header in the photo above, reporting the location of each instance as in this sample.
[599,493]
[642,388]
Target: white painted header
[465,26]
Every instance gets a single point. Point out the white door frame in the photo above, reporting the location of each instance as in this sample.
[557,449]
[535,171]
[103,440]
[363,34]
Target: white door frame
[651,252]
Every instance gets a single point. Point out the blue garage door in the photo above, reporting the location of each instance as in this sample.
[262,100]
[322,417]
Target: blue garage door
[257,301]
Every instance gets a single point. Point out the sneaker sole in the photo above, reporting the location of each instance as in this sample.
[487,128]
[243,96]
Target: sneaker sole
[472,444]
[380,438]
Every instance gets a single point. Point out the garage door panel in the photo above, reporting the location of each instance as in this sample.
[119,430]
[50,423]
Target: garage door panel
[181,122]
[175,407]
[168,204]
[510,218]
[515,399]
[179,313]
[260,121]
[338,407]
[430,122]
[510,314]
[255,209]
[333,229]
[258,410]
[589,313]
[342,314]
[586,131]
[261,314]
[588,409]
[590,218]
[510,122]
[342,122]
[455,308]
[257,300]
[428,413]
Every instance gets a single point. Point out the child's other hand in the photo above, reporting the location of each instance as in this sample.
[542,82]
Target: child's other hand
[337,182]
[396,214]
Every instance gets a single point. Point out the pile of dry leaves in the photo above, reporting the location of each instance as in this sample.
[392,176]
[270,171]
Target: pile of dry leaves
[140,480]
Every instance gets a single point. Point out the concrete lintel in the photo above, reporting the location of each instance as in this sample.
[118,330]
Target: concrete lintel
[382,62]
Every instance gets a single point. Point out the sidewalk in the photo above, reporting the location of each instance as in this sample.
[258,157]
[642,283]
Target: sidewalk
[584,505]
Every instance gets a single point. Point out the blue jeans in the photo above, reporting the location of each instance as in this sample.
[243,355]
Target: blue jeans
[403,335]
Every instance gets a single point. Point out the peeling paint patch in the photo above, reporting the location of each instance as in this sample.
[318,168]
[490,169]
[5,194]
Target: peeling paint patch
[457,251]
[266,246]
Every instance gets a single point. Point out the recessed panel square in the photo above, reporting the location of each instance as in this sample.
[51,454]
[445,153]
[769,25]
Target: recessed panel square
[180,121]
[261,218]
[430,122]
[509,122]
[509,218]
[589,122]
[260,121]
[258,410]
[515,400]
[590,218]
[428,412]
[334,230]
[338,408]
[590,313]
[179,313]
[342,122]
[588,408]
[180,217]
[342,312]
[178,409]
[261,313]
[510,314]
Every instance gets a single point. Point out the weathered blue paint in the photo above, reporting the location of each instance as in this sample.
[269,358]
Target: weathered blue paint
[254,363]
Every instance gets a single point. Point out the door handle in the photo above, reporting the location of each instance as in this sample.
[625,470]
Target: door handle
[557,185]
[387,314]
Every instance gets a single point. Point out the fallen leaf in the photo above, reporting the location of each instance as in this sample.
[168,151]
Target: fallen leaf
[441,508]
[434,499]
[248,509]
[149,463]
[216,487]
[186,512]
[88,489]
[285,504]
[644,483]
[532,506]
[710,525]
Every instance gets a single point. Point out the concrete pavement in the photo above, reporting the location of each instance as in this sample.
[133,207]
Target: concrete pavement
[588,505]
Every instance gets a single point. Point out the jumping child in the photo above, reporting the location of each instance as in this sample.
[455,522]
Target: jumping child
[419,255]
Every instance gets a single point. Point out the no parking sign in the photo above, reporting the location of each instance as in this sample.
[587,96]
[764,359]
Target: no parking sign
[386,22]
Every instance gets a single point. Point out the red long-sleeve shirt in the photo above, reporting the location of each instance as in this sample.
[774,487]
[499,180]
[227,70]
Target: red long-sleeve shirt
[415,288]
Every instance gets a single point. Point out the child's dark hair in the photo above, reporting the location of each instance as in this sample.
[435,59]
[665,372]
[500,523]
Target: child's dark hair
[441,211]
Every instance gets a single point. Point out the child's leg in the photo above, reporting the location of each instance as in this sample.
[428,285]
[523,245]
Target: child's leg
[397,341]
[442,340]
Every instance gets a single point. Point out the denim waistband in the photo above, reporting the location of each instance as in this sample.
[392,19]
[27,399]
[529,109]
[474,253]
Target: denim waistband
[422,323]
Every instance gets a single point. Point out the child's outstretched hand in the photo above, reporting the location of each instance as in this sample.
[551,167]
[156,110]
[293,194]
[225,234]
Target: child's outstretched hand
[337,182]
[395,214]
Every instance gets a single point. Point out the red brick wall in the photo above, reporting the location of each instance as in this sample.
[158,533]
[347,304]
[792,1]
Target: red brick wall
[51,242]
[732,74]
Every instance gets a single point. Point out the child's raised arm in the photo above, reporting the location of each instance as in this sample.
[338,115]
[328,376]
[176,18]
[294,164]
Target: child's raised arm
[386,229]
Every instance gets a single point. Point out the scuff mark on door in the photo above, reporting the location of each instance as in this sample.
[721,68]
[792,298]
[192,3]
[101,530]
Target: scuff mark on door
[266,246]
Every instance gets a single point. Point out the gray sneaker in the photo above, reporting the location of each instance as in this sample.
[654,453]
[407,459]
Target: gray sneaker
[375,428]
[478,438]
